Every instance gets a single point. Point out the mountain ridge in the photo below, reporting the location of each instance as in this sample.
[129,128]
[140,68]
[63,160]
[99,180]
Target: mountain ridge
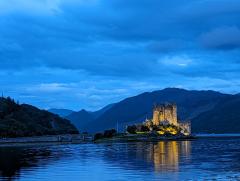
[135,109]
[61,112]
[198,106]
[224,115]
[83,117]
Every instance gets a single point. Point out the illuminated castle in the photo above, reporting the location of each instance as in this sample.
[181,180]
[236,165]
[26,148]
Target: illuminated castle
[166,114]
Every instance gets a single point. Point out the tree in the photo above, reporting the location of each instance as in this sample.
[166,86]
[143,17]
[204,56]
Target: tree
[98,136]
[132,129]
[144,128]
[109,133]
[155,128]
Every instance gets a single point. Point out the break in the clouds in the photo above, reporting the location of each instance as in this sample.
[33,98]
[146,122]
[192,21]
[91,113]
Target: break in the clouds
[88,53]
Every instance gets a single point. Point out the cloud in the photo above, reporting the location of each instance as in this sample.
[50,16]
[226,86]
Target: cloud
[166,46]
[79,36]
[33,7]
[51,87]
[210,9]
[226,38]
[179,61]
[63,52]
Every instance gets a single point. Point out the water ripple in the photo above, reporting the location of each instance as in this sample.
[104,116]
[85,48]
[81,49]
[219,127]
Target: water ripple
[204,159]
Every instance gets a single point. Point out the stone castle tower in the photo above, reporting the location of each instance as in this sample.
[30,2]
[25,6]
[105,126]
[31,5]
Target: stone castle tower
[165,113]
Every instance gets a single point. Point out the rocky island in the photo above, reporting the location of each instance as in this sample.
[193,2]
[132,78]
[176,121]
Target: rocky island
[164,125]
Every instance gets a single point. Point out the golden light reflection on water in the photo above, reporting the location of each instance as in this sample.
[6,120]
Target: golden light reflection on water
[166,155]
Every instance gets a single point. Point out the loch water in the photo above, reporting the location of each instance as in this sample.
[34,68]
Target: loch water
[201,159]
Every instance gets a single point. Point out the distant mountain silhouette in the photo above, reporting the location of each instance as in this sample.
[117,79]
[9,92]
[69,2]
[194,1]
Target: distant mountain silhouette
[136,109]
[82,118]
[61,112]
[98,113]
[25,120]
[209,111]
[223,118]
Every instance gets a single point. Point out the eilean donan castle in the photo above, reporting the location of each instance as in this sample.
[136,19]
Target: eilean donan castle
[166,114]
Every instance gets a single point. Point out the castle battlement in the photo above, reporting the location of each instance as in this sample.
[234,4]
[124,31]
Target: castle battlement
[166,114]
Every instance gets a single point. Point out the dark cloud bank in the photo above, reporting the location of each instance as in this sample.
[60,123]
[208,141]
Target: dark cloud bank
[87,53]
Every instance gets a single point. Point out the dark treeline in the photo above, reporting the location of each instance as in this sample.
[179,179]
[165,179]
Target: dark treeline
[25,120]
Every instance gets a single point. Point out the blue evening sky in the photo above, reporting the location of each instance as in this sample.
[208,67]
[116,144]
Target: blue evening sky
[88,53]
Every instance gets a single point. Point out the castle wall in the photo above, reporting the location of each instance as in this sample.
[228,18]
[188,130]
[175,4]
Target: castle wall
[167,114]
[155,117]
[174,113]
[163,113]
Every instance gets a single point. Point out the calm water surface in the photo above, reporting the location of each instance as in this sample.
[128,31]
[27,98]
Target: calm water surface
[202,159]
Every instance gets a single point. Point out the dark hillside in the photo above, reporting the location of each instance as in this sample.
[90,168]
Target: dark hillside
[25,120]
